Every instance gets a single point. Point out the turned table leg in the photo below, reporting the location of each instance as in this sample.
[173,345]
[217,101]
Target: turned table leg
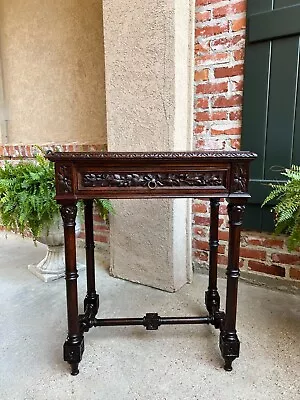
[91,301]
[212,298]
[74,344]
[229,342]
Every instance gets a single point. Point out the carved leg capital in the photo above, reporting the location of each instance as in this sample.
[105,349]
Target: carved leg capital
[235,213]
[68,214]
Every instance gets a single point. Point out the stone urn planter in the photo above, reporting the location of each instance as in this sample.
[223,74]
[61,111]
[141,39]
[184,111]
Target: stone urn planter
[52,266]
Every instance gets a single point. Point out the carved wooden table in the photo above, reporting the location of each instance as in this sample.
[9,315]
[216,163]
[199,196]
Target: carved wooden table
[213,175]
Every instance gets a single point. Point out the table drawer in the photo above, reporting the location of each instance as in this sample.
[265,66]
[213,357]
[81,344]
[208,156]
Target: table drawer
[158,183]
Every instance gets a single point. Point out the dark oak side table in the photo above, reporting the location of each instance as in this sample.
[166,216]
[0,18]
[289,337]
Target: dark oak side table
[207,174]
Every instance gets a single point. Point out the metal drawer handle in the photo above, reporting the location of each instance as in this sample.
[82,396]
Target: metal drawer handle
[152,184]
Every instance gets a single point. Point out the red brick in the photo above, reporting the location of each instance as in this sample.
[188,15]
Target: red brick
[200,232]
[215,116]
[101,238]
[223,260]
[211,59]
[225,11]
[231,131]
[223,235]
[205,2]
[235,115]
[28,151]
[207,31]
[223,42]
[223,209]
[201,48]
[286,259]
[225,72]
[239,55]
[202,116]
[255,241]
[204,221]
[221,249]
[221,221]
[232,43]
[203,16]
[100,228]
[97,218]
[200,144]
[266,269]
[252,253]
[199,130]
[239,24]
[201,75]
[200,245]
[237,86]
[222,101]
[199,208]
[295,273]
[222,11]
[270,243]
[207,88]
[273,243]
[240,7]
[202,103]
[200,255]
[235,144]
[220,115]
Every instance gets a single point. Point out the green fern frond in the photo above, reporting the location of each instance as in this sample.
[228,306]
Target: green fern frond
[27,196]
[287,209]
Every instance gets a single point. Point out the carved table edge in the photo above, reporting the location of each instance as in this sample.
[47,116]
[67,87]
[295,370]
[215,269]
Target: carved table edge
[70,156]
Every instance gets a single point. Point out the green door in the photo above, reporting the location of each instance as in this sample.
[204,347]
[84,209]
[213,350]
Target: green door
[271,110]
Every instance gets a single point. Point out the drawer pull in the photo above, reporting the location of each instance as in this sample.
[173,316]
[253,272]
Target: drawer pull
[152,184]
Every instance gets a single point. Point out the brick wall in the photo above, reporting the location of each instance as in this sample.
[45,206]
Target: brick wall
[219,59]
[11,152]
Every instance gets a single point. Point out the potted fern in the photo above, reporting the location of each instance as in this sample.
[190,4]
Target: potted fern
[287,208]
[28,206]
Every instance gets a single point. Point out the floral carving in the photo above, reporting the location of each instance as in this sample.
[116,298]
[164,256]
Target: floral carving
[153,180]
[240,179]
[64,178]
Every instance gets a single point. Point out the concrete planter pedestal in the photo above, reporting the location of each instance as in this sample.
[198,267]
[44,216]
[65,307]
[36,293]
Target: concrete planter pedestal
[52,266]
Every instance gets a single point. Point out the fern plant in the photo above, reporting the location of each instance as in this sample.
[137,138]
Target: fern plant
[287,209]
[27,196]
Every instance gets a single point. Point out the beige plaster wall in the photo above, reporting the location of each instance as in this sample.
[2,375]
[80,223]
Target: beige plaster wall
[148,53]
[53,70]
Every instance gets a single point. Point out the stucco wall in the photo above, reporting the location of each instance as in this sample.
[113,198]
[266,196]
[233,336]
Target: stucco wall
[53,70]
[148,50]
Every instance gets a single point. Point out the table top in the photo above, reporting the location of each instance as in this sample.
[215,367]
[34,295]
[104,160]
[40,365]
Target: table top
[85,175]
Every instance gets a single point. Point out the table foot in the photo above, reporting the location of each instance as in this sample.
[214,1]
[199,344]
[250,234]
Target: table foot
[228,364]
[230,348]
[73,350]
[75,370]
